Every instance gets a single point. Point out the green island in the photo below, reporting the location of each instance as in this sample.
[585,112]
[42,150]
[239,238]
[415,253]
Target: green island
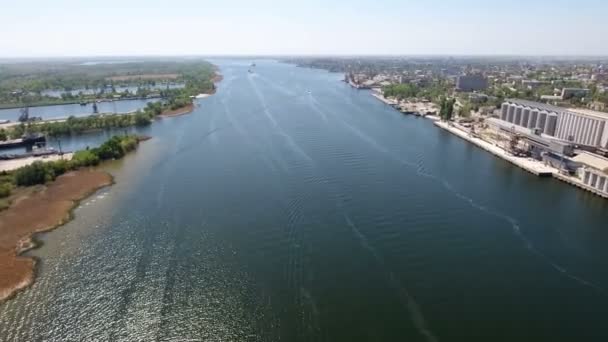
[198,77]
[27,84]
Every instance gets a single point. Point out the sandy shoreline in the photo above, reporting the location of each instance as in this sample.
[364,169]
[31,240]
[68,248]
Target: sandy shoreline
[11,165]
[45,209]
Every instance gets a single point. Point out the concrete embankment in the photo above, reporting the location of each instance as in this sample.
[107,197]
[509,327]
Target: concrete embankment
[531,165]
[528,164]
[578,183]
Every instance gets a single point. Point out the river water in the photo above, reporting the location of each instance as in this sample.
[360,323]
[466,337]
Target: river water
[64,111]
[290,207]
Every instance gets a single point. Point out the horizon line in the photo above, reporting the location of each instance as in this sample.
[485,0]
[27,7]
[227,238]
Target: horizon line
[283,55]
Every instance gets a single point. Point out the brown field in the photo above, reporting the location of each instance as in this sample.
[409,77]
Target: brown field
[144,77]
[38,211]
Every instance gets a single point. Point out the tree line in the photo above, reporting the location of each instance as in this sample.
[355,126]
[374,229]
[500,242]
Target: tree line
[42,172]
[24,83]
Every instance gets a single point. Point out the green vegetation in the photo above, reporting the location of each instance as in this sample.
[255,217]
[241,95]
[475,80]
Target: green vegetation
[446,109]
[24,84]
[465,110]
[198,79]
[432,91]
[401,91]
[78,125]
[42,172]
[74,125]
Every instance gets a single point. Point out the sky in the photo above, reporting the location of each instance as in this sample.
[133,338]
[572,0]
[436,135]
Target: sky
[57,28]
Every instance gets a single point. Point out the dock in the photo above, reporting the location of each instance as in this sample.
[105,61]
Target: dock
[533,166]
[577,182]
[25,141]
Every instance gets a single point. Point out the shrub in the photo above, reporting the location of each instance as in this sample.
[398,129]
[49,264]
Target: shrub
[129,143]
[142,119]
[84,158]
[59,167]
[35,173]
[5,190]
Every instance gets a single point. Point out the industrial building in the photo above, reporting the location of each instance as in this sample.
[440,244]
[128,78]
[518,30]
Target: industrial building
[578,126]
[538,117]
[572,92]
[593,171]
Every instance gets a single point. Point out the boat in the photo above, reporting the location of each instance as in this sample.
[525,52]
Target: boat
[83,103]
[251,72]
[26,140]
[253,65]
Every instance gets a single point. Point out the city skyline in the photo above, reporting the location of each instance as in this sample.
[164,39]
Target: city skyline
[185,27]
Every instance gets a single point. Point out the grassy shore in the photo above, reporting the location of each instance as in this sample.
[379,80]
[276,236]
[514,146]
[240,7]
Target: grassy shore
[43,197]
[187,109]
[37,210]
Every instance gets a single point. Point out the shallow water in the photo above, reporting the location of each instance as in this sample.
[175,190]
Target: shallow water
[290,207]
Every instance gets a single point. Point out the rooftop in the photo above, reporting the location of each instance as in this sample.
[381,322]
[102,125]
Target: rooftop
[593,160]
[588,112]
[556,109]
[538,105]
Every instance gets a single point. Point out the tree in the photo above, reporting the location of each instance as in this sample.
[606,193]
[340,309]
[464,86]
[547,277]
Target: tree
[142,119]
[446,109]
[5,190]
[35,173]
[400,91]
[465,110]
[3,136]
[84,158]
[450,109]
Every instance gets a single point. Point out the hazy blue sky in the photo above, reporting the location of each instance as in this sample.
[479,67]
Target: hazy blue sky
[173,27]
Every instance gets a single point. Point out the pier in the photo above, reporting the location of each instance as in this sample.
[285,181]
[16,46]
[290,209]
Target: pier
[533,166]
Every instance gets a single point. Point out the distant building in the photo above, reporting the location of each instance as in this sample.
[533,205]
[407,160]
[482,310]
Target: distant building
[572,92]
[534,84]
[551,97]
[469,83]
[478,98]
[577,126]
[515,79]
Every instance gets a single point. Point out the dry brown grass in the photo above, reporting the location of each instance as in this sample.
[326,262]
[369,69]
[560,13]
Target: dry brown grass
[34,212]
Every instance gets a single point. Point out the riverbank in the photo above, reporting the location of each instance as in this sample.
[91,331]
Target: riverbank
[418,108]
[10,165]
[177,112]
[528,164]
[71,102]
[41,197]
[40,210]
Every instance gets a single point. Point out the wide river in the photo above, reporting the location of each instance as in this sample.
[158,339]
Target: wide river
[290,207]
